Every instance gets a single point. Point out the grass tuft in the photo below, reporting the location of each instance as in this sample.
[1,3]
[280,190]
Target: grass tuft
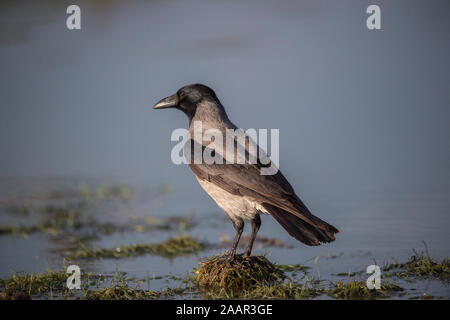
[421,265]
[220,273]
[358,290]
[120,290]
[253,277]
[293,267]
[24,285]
[53,284]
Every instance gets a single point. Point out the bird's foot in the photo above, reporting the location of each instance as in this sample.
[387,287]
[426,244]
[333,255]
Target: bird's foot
[230,256]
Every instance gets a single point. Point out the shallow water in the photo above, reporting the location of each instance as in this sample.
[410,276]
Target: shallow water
[363,240]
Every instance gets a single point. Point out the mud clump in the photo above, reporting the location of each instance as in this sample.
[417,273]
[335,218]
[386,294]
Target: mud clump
[220,273]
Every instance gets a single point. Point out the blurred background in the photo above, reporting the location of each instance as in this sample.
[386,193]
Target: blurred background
[363,114]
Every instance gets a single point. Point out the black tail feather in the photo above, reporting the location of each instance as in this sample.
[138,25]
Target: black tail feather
[301,230]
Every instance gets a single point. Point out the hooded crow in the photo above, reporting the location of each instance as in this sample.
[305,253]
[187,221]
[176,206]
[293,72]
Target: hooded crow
[240,189]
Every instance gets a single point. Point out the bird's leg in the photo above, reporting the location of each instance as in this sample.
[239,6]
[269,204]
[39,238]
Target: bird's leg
[256,223]
[239,226]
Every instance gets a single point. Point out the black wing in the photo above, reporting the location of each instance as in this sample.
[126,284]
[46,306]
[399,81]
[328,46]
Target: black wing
[272,191]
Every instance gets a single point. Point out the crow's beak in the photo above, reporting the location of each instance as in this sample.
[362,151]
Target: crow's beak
[168,102]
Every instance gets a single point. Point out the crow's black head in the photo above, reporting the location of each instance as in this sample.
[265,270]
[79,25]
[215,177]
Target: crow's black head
[188,98]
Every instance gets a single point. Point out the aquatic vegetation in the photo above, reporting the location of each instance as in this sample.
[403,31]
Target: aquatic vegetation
[358,290]
[114,192]
[123,291]
[81,195]
[104,192]
[253,277]
[25,231]
[57,218]
[71,220]
[55,227]
[24,285]
[54,221]
[74,209]
[16,207]
[283,290]
[165,188]
[257,278]
[75,217]
[180,223]
[333,256]
[181,245]
[119,290]
[9,295]
[293,267]
[421,265]
[52,284]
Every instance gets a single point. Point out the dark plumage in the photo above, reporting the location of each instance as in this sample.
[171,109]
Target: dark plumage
[240,189]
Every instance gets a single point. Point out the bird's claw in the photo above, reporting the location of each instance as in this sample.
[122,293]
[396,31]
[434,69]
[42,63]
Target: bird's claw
[230,256]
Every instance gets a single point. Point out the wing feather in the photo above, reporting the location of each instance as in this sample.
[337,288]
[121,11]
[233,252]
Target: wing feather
[246,180]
